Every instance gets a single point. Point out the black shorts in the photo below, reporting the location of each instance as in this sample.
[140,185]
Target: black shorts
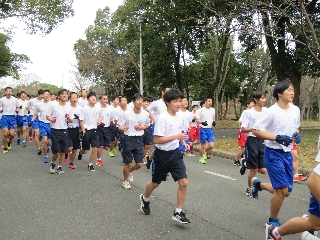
[121,136]
[74,140]
[90,137]
[132,148]
[147,136]
[59,140]
[104,136]
[254,153]
[168,161]
[113,132]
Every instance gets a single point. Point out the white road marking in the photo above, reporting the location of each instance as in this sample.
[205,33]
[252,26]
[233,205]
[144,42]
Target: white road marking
[219,175]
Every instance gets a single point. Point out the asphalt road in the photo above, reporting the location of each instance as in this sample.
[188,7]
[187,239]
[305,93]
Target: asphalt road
[92,205]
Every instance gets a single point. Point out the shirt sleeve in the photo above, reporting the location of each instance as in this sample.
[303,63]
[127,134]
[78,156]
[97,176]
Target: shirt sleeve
[245,120]
[263,121]
[81,115]
[160,127]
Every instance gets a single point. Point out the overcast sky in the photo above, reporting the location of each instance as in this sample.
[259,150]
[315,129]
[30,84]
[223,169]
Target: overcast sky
[52,55]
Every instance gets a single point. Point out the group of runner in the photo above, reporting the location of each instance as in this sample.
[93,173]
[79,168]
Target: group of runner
[69,123]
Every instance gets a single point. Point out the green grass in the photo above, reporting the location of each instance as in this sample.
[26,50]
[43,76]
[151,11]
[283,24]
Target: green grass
[307,149]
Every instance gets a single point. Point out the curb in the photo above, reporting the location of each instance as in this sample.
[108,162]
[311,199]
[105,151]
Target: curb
[303,171]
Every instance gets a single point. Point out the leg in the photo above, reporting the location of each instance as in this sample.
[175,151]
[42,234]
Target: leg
[276,201]
[125,171]
[300,224]
[149,189]
[252,174]
[240,152]
[24,133]
[37,137]
[45,143]
[4,135]
[209,146]
[182,192]
[93,154]
[135,167]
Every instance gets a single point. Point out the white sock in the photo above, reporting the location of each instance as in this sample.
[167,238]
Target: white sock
[296,175]
[90,164]
[275,231]
[178,210]
[145,199]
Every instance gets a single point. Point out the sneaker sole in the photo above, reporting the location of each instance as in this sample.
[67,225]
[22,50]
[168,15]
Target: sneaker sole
[177,220]
[266,231]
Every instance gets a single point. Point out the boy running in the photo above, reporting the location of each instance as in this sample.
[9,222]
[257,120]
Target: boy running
[22,119]
[167,157]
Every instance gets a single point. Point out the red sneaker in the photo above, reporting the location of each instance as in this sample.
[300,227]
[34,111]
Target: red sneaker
[72,166]
[30,139]
[299,178]
[208,155]
[99,163]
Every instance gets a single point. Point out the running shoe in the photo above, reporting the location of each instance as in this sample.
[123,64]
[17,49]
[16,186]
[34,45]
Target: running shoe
[111,154]
[114,150]
[204,156]
[180,217]
[5,150]
[243,167]
[99,163]
[46,159]
[52,168]
[24,144]
[145,208]
[248,192]
[270,235]
[255,191]
[148,162]
[208,155]
[39,151]
[275,222]
[203,161]
[9,145]
[18,141]
[30,139]
[2,145]
[126,185]
[309,235]
[59,170]
[91,168]
[79,156]
[72,166]
[299,178]
[130,178]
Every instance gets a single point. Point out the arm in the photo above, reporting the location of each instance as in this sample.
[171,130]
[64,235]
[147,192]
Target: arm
[165,139]
[82,126]
[264,135]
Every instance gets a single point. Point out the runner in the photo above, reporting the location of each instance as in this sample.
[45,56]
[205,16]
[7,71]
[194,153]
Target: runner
[278,126]
[10,108]
[22,119]
[133,123]
[167,157]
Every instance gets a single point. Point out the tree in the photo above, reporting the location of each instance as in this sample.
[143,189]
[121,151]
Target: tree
[10,63]
[41,16]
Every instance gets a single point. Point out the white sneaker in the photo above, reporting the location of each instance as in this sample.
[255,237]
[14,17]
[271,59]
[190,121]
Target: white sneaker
[130,178]
[308,236]
[126,185]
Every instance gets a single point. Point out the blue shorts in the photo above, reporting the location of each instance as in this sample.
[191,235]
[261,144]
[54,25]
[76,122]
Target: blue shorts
[182,148]
[21,123]
[279,166]
[29,118]
[45,130]
[132,148]
[9,121]
[168,161]
[206,135]
[314,206]
[0,123]
[36,123]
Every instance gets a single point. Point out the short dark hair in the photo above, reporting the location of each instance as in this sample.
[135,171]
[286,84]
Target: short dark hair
[202,102]
[112,98]
[22,92]
[164,89]
[28,95]
[248,101]
[136,96]
[193,106]
[61,91]
[257,95]
[122,97]
[280,87]
[172,94]
[73,93]
[7,88]
[146,99]
[90,94]
[40,91]
[47,90]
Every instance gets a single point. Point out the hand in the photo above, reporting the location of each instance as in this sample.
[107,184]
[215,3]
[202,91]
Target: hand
[182,136]
[297,137]
[126,128]
[187,146]
[1,111]
[67,116]
[283,140]
[204,123]
[53,120]
[214,124]
[76,116]
[193,120]
[138,127]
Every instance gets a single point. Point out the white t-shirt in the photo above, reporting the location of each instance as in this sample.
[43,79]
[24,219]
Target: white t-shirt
[157,107]
[32,104]
[242,114]
[193,124]
[206,114]
[23,106]
[118,113]
[250,118]
[168,125]
[43,110]
[9,105]
[90,115]
[130,105]
[107,115]
[114,112]
[58,111]
[278,121]
[131,119]
[187,117]
[83,102]
[74,111]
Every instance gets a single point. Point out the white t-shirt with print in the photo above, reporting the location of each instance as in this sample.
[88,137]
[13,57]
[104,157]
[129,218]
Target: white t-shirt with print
[9,105]
[90,116]
[43,110]
[59,112]
[206,115]
[131,119]
[249,119]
